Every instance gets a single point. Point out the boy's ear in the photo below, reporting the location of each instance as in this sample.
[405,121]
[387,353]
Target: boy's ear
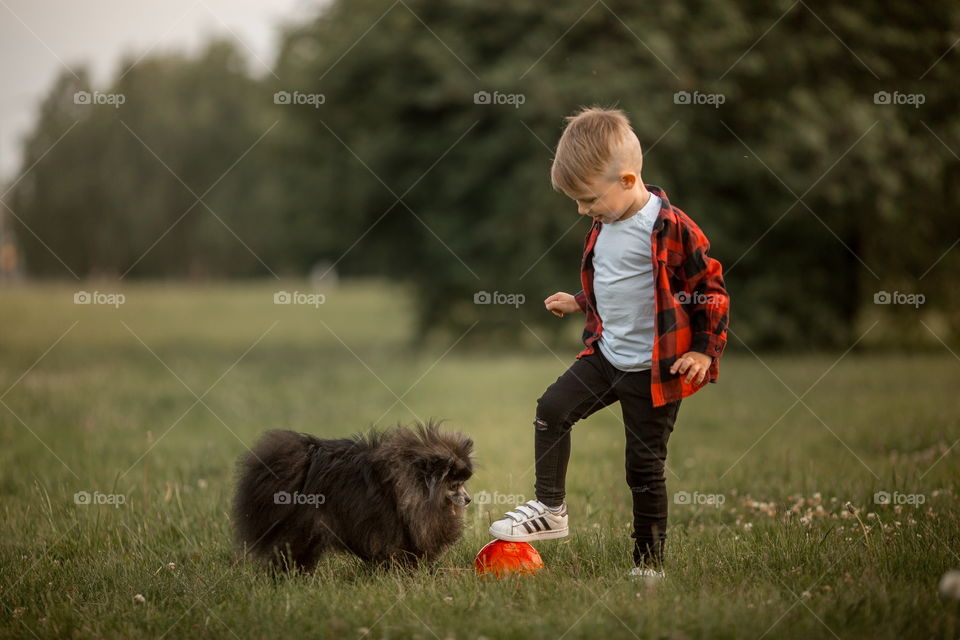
[628,180]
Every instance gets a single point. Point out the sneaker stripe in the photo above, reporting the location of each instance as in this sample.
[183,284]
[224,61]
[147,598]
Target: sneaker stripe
[536,525]
[526,525]
[543,521]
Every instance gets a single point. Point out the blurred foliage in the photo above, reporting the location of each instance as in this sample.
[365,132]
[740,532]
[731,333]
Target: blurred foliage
[814,196]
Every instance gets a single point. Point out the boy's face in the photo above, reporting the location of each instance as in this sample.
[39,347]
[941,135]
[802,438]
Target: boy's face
[607,199]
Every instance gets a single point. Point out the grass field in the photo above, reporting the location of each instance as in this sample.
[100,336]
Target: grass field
[154,401]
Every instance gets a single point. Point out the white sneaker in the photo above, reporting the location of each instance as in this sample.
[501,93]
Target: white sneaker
[647,573]
[531,521]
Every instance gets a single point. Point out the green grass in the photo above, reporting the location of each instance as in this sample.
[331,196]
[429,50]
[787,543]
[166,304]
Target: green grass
[101,412]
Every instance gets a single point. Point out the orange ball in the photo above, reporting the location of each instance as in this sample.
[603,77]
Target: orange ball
[501,557]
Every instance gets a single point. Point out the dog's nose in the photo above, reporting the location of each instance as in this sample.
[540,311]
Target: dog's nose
[467,499]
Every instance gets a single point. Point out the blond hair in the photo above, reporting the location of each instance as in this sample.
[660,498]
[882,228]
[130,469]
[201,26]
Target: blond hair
[594,142]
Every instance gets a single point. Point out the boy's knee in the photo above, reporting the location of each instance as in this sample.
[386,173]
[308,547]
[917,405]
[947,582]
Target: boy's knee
[542,424]
[645,470]
[549,415]
[652,471]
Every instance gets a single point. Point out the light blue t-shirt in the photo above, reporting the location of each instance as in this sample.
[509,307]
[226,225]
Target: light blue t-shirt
[623,284]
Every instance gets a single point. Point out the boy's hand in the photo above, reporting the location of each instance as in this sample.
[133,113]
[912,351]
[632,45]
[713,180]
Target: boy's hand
[561,303]
[694,364]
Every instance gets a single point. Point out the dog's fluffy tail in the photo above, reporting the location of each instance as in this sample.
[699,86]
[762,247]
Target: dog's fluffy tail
[263,520]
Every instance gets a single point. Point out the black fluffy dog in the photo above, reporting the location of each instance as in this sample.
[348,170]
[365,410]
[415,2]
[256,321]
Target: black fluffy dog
[391,496]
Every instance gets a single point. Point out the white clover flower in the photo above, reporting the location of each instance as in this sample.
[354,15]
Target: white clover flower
[950,584]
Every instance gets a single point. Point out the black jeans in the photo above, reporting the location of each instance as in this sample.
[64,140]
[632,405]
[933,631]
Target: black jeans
[590,384]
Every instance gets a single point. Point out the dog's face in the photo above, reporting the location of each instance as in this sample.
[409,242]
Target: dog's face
[446,477]
[457,493]
[446,484]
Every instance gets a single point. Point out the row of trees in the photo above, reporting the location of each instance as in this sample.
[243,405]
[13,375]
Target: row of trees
[815,143]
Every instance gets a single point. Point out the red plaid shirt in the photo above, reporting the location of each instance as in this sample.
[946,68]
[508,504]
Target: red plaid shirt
[691,302]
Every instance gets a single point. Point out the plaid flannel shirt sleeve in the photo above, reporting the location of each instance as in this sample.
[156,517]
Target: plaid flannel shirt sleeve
[581,299]
[710,305]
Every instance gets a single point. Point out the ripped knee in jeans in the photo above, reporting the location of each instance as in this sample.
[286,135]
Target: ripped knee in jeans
[540,424]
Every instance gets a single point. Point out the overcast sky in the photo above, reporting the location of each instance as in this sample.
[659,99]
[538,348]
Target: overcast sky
[40,38]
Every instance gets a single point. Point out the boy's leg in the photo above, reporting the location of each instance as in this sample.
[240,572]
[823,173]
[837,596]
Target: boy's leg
[647,430]
[586,387]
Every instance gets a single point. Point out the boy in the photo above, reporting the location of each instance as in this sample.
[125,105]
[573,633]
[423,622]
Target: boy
[656,319]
